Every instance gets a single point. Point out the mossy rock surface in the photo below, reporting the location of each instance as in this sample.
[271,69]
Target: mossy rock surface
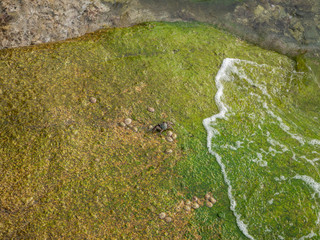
[69,170]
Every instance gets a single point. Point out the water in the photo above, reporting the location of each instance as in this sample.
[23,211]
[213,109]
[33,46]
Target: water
[268,150]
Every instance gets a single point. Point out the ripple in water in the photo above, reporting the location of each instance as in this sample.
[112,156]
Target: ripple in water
[268,151]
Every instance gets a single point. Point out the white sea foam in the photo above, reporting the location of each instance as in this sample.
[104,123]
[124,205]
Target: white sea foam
[310,182]
[315,142]
[227,67]
[310,235]
[226,73]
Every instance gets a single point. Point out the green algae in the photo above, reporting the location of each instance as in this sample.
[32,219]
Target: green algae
[67,168]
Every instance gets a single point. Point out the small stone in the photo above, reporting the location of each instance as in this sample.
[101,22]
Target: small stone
[128,121]
[151,109]
[169,133]
[209,204]
[93,100]
[207,196]
[211,199]
[187,208]
[195,205]
[122,124]
[195,199]
[150,127]
[135,129]
[221,215]
[169,151]
[168,219]
[188,202]
[174,136]
[162,215]
[169,139]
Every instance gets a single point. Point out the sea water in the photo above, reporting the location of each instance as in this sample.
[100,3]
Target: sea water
[268,150]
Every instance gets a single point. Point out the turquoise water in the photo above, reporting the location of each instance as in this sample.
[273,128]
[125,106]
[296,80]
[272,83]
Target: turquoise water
[268,149]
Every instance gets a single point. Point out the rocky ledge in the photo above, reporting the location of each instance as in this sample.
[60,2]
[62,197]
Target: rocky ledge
[290,27]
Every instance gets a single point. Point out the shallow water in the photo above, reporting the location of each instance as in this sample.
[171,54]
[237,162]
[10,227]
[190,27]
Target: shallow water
[268,150]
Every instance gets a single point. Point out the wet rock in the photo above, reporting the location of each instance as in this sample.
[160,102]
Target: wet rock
[221,215]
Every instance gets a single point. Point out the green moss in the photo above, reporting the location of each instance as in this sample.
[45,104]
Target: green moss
[68,169]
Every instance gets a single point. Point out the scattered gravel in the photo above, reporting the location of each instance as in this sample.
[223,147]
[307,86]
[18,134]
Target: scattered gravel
[187,208]
[169,151]
[150,109]
[168,219]
[195,205]
[93,100]
[169,139]
[122,124]
[207,196]
[211,199]
[209,204]
[128,121]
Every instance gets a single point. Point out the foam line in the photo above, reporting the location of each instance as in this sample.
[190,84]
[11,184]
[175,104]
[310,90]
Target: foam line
[223,74]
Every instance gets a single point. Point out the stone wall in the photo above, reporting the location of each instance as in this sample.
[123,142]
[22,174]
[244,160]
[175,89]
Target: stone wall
[290,27]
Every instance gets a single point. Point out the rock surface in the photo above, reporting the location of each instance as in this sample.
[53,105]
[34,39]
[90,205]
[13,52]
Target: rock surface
[290,27]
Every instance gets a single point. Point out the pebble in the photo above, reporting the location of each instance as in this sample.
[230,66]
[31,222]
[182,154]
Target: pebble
[195,205]
[195,199]
[162,215]
[151,109]
[150,127]
[211,199]
[128,121]
[168,219]
[187,208]
[174,136]
[209,204]
[169,133]
[93,100]
[169,139]
[207,196]
[169,151]
[135,129]
[122,124]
